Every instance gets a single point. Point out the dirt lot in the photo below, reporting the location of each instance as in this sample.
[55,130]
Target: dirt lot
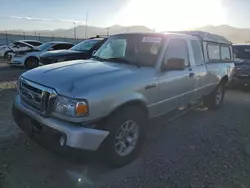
[200,149]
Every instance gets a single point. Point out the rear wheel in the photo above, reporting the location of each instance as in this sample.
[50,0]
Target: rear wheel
[215,99]
[127,135]
[31,62]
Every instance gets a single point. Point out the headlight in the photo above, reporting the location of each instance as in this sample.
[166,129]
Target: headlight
[70,107]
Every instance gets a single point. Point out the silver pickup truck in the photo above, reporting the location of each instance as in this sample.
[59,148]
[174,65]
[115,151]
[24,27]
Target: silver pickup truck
[104,104]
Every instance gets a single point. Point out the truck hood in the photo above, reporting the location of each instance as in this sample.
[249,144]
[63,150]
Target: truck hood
[72,78]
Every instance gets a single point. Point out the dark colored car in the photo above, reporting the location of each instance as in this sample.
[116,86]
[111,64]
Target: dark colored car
[82,50]
[242,65]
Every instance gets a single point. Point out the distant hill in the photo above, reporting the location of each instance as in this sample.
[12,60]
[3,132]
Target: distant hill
[80,31]
[234,34]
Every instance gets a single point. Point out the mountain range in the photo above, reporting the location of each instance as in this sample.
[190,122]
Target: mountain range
[236,35]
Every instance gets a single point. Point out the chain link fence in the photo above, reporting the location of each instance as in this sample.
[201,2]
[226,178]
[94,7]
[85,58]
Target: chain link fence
[6,38]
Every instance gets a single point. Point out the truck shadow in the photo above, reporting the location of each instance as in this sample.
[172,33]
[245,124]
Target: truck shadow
[183,136]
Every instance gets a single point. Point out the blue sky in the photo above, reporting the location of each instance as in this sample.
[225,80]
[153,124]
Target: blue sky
[158,14]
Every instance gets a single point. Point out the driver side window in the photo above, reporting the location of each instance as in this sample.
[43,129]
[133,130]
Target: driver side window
[177,49]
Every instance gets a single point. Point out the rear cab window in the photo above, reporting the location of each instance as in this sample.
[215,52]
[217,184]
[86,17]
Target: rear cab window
[219,52]
[213,51]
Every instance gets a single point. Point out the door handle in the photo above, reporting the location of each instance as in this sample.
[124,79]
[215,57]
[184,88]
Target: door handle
[191,74]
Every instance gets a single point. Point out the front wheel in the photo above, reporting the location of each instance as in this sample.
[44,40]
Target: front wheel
[31,62]
[215,99]
[127,135]
[6,55]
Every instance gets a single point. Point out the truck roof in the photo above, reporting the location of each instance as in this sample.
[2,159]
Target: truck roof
[205,36]
[242,44]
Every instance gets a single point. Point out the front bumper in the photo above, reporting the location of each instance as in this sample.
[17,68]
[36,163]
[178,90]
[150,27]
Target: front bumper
[75,135]
[16,61]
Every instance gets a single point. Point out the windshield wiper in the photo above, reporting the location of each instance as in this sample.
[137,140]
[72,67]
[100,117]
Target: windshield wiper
[98,58]
[121,60]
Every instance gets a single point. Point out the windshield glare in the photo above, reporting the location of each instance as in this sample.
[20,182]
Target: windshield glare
[44,46]
[85,45]
[141,49]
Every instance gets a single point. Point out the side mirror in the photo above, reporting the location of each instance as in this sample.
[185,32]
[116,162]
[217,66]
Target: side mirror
[93,53]
[174,64]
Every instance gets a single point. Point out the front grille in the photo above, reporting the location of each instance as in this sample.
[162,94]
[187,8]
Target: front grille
[38,97]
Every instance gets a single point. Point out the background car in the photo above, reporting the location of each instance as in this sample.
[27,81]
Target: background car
[17,46]
[82,50]
[242,65]
[30,59]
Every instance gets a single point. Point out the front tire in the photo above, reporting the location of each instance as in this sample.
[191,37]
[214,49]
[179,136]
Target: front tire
[215,99]
[6,55]
[127,135]
[31,63]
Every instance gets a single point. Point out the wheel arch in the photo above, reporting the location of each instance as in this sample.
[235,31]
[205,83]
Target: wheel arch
[224,80]
[140,104]
[25,62]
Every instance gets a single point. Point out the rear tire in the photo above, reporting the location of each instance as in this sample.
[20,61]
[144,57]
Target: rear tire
[31,63]
[126,137]
[215,99]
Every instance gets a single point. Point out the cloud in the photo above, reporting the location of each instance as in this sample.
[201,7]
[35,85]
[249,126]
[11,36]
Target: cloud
[44,19]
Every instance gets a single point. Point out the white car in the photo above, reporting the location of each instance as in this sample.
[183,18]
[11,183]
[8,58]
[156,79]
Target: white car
[17,46]
[30,58]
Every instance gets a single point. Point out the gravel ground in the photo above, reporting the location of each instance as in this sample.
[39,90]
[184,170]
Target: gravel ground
[201,149]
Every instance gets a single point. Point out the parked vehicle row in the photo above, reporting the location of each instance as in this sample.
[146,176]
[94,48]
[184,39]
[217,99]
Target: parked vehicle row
[82,50]
[17,46]
[104,103]
[30,56]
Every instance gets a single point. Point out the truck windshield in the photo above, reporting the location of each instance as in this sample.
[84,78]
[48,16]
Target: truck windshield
[136,49]
[85,45]
[242,51]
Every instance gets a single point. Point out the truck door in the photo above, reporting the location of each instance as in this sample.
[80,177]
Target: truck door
[176,87]
[198,68]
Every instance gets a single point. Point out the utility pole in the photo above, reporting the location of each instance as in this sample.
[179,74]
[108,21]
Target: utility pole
[86,26]
[6,37]
[107,31]
[74,29]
